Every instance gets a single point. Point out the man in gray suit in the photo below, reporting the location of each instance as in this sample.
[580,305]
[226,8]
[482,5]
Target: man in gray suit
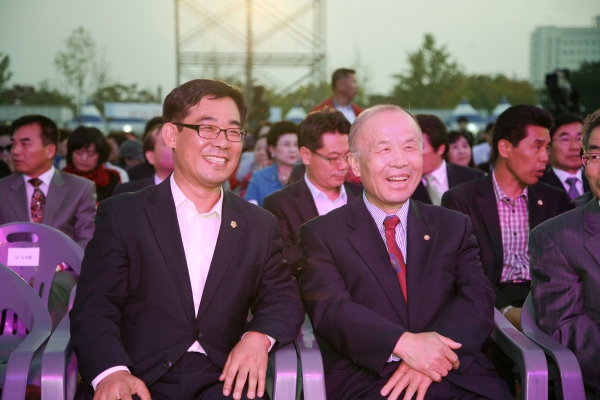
[38,192]
[565,269]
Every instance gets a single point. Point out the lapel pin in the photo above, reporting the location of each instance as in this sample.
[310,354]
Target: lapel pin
[426,237]
[233,224]
[540,202]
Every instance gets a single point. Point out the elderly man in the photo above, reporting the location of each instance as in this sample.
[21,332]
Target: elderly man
[394,287]
[343,84]
[172,271]
[565,268]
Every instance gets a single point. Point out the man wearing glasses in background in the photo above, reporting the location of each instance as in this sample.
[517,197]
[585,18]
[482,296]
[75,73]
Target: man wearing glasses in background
[565,270]
[323,142]
[173,269]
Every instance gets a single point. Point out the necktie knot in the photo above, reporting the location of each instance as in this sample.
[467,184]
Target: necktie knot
[391,222]
[430,179]
[572,181]
[36,182]
[573,192]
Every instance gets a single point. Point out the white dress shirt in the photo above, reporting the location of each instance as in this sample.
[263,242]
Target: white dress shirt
[347,110]
[441,179]
[157,180]
[46,178]
[564,175]
[322,202]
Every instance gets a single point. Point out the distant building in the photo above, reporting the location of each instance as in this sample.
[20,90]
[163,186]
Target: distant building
[559,48]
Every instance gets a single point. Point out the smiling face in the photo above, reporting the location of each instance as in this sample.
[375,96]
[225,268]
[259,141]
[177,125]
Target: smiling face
[527,161]
[459,152]
[389,162]
[205,163]
[565,150]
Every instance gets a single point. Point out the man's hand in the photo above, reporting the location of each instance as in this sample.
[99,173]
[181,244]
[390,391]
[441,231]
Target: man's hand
[248,360]
[406,377]
[428,353]
[514,317]
[121,385]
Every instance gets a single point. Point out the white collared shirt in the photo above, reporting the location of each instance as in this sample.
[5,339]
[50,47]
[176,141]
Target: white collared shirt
[157,181]
[441,179]
[322,202]
[564,175]
[46,179]
[347,110]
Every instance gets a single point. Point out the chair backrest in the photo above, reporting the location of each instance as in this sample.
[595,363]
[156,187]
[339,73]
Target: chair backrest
[35,250]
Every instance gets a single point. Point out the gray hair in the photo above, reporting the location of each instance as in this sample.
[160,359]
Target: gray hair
[360,120]
[590,123]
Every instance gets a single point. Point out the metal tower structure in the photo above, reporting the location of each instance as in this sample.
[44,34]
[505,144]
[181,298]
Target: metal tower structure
[278,44]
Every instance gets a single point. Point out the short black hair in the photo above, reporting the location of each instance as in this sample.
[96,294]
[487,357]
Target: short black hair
[50,133]
[340,73]
[118,136]
[512,124]
[434,128]
[312,128]
[150,140]
[151,124]
[82,138]
[279,129]
[564,119]
[178,103]
[590,123]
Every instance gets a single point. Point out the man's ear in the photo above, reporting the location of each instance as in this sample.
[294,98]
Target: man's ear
[50,151]
[306,155]
[169,134]
[150,157]
[441,150]
[504,148]
[354,164]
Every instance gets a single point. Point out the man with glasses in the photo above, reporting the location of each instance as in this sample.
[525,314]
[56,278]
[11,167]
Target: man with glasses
[323,142]
[565,157]
[172,271]
[565,269]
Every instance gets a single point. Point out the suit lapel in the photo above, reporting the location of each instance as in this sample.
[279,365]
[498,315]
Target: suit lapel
[56,196]
[419,250]
[452,176]
[536,207]
[591,224]
[304,201]
[351,195]
[163,219]
[18,199]
[227,242]
[369,245]
[488,208]
[421,194]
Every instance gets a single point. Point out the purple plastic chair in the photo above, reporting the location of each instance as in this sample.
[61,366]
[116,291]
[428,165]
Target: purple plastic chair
[313,375]
[16,353]
[563,367]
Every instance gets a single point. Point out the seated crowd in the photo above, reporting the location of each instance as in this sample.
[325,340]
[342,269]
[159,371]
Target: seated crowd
[396,237]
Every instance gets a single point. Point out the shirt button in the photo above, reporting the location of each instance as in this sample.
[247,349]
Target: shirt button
[515,233]
[198,335]
[167,364]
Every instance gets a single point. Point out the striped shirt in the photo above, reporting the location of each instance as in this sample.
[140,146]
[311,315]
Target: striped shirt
[379,216]
[514,225]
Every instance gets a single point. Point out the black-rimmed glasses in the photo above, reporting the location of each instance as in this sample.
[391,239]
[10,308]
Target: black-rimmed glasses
[332,160]
[212,132]
[591,159]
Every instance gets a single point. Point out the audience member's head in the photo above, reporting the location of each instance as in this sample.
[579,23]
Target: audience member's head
[62,150]
[520,142]
[462,123]
[385,144]
[150,125]
[282,141]
[157,153]
[486,134]
[35,139]
[459,149]
[87,149]
[565,147]
[6,145]
[343,84]
[132,153]
[590,139]
[115,140]
[435,141]
[323,141]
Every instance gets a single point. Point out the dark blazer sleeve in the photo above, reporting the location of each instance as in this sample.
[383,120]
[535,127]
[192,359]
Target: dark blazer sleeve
[291,249]
[101,294]
[354,331]
[559,298]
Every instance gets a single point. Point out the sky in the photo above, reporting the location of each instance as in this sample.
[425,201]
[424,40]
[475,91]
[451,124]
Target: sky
[137,37]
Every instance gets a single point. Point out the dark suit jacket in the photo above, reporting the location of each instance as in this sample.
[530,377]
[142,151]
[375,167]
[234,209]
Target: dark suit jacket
[477,200]
[140,171]
[293,206]
[133,186]
[550,178]
[70,205]
[565,267]
[456,175]
[356,305]
[134,303]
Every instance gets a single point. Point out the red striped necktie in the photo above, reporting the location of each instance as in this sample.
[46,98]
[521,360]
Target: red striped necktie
[396,257]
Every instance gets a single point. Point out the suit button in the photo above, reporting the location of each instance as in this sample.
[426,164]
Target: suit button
[198,335]
[167,364]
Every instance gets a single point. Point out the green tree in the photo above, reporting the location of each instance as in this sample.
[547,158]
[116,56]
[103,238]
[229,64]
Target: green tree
[587,81]
[484,91]
[119,92]
[44,95]
[5,73]
[306,96]
[433,80]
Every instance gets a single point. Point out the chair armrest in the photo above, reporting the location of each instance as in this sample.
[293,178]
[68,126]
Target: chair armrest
[54,361]
[313,376]
[530,359]
[568,366]
[285,363]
